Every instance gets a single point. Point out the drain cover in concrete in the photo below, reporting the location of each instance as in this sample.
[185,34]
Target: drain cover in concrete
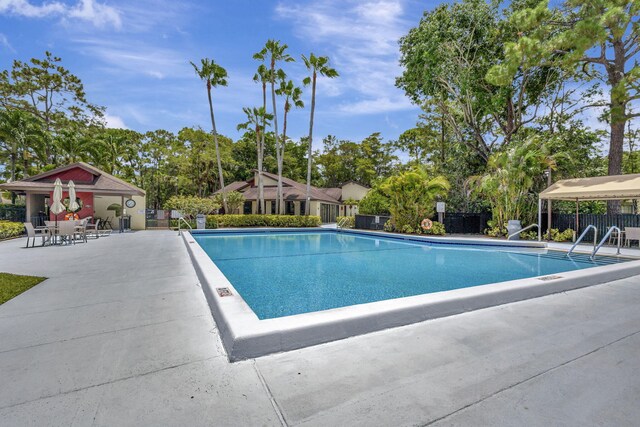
[224,292]
[545,278]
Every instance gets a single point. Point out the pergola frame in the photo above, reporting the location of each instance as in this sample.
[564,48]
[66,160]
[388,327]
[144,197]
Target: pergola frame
[602,188]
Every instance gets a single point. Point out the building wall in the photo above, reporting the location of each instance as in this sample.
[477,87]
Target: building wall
[87,205]
[351,190]
[138,218]
[77,175]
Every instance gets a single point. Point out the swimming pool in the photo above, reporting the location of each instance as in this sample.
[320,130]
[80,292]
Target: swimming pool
[273,290]
[286,273]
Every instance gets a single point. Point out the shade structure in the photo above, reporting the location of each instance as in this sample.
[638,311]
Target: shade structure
[56,204]
[73,205]
[614,187]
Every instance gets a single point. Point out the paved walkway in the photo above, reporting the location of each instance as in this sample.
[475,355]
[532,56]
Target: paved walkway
[120,334]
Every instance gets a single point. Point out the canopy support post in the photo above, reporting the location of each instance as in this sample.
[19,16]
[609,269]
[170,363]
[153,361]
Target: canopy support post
[539,219]
[577,217]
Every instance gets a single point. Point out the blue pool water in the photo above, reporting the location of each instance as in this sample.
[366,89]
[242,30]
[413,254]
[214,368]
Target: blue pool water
[285,273]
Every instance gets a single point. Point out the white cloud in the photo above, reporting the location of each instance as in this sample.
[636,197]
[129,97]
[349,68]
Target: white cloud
[98,14]
[4,42]
[361,38]
[135,57]
[114,122]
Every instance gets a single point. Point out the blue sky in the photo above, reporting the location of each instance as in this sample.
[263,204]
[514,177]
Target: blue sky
[133,57]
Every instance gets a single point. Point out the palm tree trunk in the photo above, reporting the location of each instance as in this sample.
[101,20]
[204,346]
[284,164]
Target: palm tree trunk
[260,183]
[215,141]
[261,207]
[280,206]
[281,162]
[307,207]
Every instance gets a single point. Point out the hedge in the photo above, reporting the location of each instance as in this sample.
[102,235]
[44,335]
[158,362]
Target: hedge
[219,221]
[10,229]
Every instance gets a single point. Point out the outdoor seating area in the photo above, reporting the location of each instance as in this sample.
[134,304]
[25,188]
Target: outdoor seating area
[65,232]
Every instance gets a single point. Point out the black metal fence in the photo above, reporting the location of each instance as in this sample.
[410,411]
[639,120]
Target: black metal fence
[371,222]
[602,222]
[454,222]
[13,213]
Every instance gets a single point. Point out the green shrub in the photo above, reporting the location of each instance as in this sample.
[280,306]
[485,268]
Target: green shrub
[437,229]
[388,226]
[190,206]
[565,236]
[374,203]
[10,229]
[495,231]
[220,221]
[351,221]
[529,235]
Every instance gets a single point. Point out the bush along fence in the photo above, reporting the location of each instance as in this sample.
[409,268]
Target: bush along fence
[10,229]
[455,222]
[601,221]
[15,213]
[232,221]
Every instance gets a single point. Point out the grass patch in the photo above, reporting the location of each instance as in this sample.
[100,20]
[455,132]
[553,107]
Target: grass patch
[12,285]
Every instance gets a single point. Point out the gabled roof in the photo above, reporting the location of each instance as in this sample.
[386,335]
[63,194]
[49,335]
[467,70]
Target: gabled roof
[292,190]
[613,187]
[100,182]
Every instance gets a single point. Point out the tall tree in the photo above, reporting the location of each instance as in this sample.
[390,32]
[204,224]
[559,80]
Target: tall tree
[262,76]
[19,132]
[50,92]
[316,65]
[600,38]
[213,75]
[446,58]
[257,120]
[291,94]
[275,52]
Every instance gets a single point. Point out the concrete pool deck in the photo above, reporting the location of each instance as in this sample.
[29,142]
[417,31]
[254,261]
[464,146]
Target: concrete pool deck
[121,334]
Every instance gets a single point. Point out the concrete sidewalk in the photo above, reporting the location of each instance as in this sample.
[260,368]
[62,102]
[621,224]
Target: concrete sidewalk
[120,334]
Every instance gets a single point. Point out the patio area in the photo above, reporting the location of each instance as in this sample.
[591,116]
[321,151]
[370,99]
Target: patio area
[121,334]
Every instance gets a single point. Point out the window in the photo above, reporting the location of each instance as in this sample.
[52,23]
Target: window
[289,209]
[247,208]
[303,206]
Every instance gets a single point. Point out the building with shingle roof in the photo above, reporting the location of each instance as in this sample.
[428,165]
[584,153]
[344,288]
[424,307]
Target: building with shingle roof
[327,203]
[96,190]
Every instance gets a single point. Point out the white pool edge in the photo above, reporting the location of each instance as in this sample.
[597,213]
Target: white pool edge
[245,336]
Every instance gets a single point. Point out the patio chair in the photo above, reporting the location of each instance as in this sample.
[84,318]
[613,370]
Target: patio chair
[67,231]
[107,223]
[81,230]
[33,233]
[631,233]
[93,229]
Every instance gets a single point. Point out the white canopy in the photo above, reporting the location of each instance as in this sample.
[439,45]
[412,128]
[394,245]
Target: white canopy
[614,187]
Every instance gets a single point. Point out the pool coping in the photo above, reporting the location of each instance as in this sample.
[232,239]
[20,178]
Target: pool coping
[245,336]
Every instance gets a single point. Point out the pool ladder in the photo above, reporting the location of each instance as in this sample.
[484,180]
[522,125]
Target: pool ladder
[584,233]
[180,221]
[604,239]
[596,247]
[343,223]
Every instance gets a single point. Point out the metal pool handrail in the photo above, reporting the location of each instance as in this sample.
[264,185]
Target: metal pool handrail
[604,239]
[520,231]
[181,219]
[342,222]
[595,237]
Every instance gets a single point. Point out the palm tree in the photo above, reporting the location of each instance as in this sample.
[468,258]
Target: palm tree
[317,65]
[292,95]
[257,119]
[213,75]
[20,132]
[275,52]
[261,76]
